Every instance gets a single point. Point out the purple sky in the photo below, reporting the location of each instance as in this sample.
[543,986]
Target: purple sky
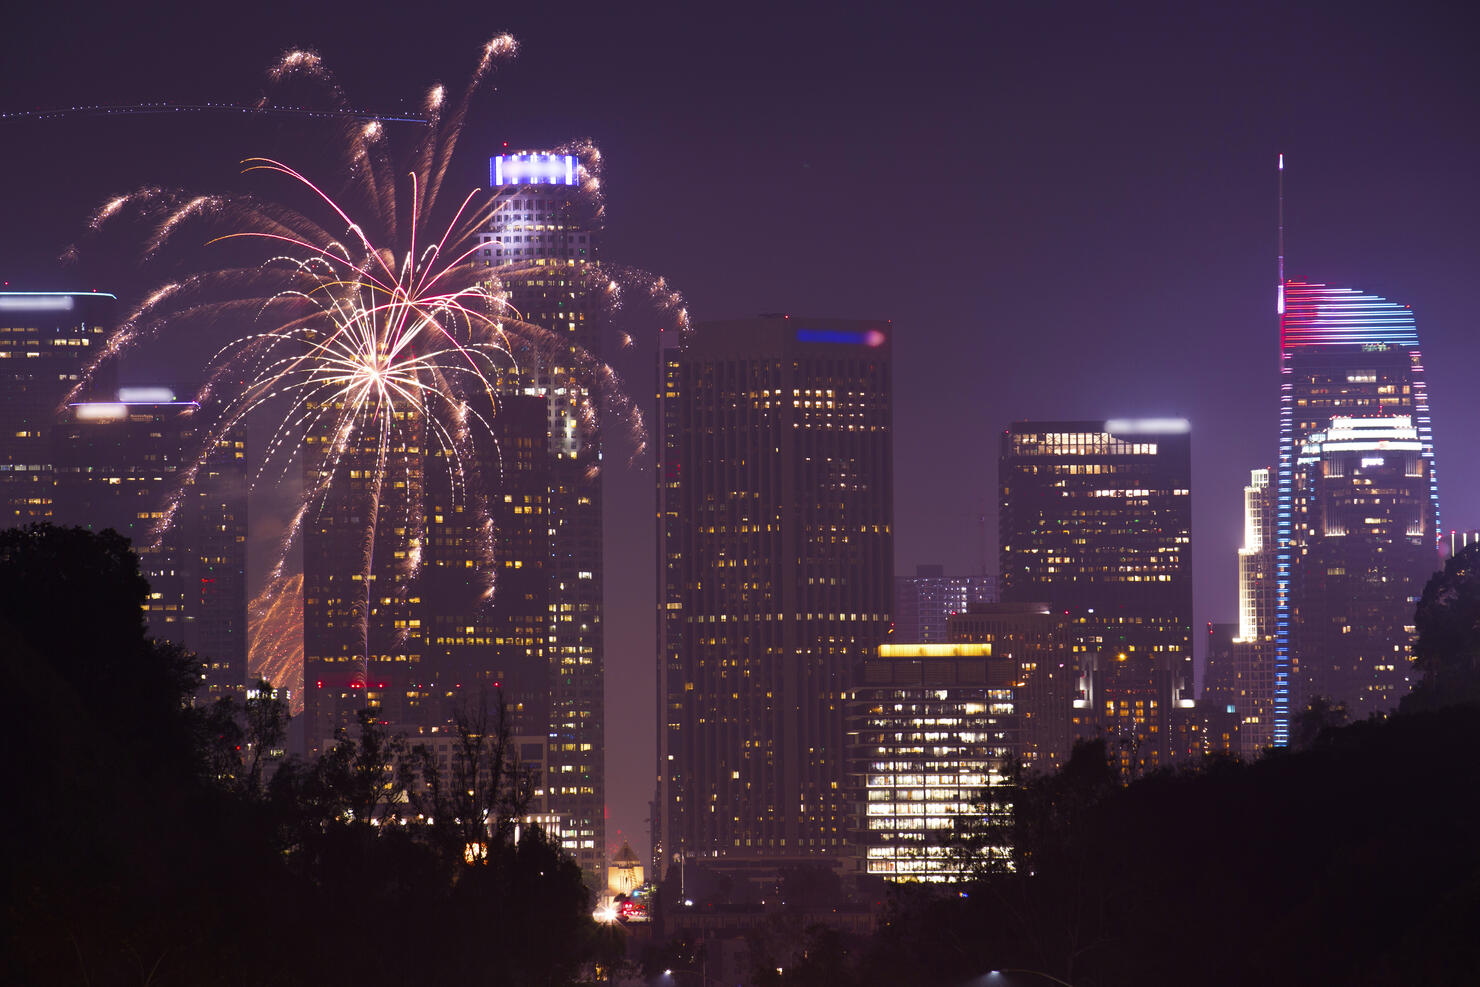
[1066,209]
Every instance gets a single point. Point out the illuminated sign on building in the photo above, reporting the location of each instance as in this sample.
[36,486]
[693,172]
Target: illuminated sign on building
[856,337]
[45,301]
[532,169]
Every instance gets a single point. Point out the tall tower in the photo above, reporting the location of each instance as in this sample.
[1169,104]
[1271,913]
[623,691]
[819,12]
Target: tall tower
[775,559]
[1344,355]
[541,243]
[47,340]
[362,622]
[1252,679]
[1096,520]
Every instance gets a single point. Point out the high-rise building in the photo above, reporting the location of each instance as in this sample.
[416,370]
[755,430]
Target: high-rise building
[1363,500]
[1096,520]
[934,730]
[126,463]
[775,551]
[923,602]
[541,242]
[363,633]
[479,648]
[1250,679]
[47,341]
[1349,355]
[1034,636]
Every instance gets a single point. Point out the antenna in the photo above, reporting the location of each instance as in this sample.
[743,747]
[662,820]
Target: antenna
[1279,303]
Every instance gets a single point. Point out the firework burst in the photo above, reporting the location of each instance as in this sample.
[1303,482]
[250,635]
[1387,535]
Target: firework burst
[367,323]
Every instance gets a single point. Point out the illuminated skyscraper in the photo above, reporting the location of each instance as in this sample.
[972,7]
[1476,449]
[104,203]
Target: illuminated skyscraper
[474,645]
[1250,683]
[47,339]
[1096,520]
[363,634]
[117,465]
[775,557]
[542,241]
[1347,355]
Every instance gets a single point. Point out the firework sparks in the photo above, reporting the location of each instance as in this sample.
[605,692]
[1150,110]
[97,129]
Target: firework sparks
[275,630]
[373,333]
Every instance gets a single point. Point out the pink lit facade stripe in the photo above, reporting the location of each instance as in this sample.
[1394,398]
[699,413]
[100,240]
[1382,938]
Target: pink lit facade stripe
[1317,315]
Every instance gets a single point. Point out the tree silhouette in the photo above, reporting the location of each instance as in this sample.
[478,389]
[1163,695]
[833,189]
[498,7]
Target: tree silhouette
[1447,651]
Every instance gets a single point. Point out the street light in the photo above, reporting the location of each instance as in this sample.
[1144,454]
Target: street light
[1036,973]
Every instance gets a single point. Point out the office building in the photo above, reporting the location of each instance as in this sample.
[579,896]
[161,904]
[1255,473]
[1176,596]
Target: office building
[1348,355]
[363,624]
[126,464]
[540,244]
[1035,637]
[934,731]
[1096,521]
[484,649]
[775,556]
[923,602]
[47,341]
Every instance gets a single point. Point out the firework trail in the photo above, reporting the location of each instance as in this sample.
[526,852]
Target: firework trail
[382,331]
[275,630]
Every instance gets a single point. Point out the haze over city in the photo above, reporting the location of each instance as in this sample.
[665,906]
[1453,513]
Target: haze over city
[1062,212]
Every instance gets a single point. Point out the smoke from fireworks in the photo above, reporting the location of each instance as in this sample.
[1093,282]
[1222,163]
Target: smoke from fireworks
[364,315]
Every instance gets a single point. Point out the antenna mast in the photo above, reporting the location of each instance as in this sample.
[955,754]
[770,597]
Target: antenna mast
[1279,305]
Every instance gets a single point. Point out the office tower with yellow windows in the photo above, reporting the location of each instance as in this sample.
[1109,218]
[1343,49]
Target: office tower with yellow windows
[363,633]
[541,244]
[1096,520]
[775,559]
[47,340]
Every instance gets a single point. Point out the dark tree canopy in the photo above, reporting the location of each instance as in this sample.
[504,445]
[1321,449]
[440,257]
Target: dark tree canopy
[144,844]
[1447,652]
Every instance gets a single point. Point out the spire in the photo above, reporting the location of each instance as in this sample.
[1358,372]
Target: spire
[1279,303]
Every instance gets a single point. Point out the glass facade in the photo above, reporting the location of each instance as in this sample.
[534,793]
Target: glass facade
[1348,354]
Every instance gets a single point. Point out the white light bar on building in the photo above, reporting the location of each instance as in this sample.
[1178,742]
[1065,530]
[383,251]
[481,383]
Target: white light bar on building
[532,169]
[1148,426]
[36,303]
[100,411]
[146,395]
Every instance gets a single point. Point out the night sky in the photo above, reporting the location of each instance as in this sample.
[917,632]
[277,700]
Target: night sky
[1068,210]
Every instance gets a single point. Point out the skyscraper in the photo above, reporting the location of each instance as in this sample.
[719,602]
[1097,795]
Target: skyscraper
[1349,355]
[1096,520]
[363,633]
[1250,684]
[47,340]
[775,551]
[541,241]
[120,464]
